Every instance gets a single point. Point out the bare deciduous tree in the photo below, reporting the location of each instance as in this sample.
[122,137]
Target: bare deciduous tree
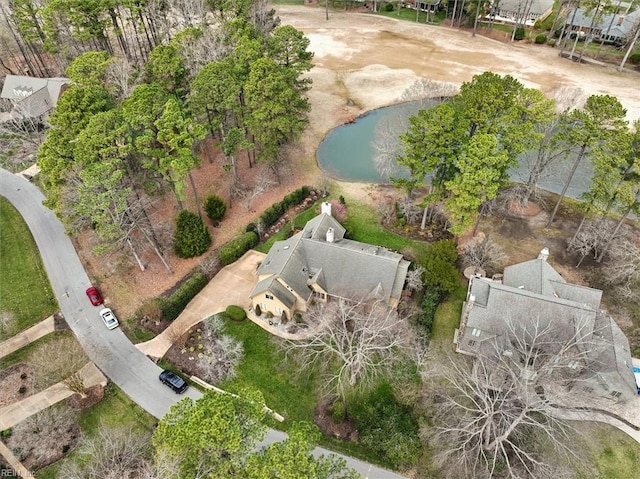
[494,411]
[57,361]
[426,90]
[414,278]
[387,210]
[249,193]
[483,254]
[424,93]
[122,75]
[112,452]
[386,144]
[220,359]
[36,435]
[622,270]
[410,211]
[591,238]
[354,341]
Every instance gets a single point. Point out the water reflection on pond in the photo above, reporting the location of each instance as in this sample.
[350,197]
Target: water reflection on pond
[348,151]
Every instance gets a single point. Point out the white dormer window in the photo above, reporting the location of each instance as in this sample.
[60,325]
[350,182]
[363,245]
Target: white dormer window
[268,296]
[574,364]
[476,332]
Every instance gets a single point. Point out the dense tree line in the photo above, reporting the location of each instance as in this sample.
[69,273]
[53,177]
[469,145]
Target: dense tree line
[121,133]
[467,144]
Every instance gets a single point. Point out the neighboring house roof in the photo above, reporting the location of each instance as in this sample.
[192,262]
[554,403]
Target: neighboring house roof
[533,7]
[533,290]
[32,96]
[342,267]
[539,277]
[612,25]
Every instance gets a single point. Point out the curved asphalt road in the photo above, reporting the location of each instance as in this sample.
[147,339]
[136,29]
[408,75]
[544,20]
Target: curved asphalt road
[111,351]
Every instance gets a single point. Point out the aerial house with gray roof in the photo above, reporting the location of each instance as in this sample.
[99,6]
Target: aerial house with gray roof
[534,295]
[320,263]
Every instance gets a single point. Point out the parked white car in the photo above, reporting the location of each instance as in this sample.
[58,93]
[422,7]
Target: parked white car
[110,320]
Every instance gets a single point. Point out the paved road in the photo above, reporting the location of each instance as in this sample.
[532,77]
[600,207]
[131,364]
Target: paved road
[111,351]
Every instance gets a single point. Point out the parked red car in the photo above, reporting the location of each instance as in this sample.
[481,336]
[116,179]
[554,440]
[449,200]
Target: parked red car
[94,296]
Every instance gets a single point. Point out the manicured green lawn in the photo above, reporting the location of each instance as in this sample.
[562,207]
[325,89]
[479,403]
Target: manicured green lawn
[363,224]
[447,317]
[409,14]
[264,368]
[25,292]
[615,455]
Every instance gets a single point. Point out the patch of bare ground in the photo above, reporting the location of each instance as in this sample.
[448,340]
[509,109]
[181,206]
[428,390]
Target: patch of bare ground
[91,396]
[18,383]
[126,287]
[184,353]
[323,418]
[45,437]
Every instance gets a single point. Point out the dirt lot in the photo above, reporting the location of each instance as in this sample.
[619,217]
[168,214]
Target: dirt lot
[362,62]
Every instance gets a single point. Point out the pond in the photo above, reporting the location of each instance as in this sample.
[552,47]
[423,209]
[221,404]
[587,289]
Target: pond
[349,152]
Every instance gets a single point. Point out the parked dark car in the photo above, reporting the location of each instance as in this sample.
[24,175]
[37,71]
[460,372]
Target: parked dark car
[174,381]
[94,296]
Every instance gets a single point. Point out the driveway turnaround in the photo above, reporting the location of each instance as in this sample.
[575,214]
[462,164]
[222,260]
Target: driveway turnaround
[231,285]
[111,351]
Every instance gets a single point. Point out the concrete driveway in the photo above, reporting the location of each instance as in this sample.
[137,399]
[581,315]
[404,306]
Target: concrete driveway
[231,285]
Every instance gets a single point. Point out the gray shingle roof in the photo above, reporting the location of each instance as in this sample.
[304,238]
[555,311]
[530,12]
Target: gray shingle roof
[317,227]
[533,276]
[537,7]
[272,285]
[34,96]
[535,291]
[502,302]
[618,25]
[612,350]
[351,268]
[343,268]
[286,259]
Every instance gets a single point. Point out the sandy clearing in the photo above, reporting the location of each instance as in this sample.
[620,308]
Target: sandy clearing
[373,59]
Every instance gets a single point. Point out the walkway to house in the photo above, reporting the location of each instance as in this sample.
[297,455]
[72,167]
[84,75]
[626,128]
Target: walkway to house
[623,415]
[231,285]
[581,415]
[12,414]
[20,340]
[14,462]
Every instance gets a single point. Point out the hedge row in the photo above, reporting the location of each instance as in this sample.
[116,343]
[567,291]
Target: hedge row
[275,211]
[430,302]
[231,251]
[175,304]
